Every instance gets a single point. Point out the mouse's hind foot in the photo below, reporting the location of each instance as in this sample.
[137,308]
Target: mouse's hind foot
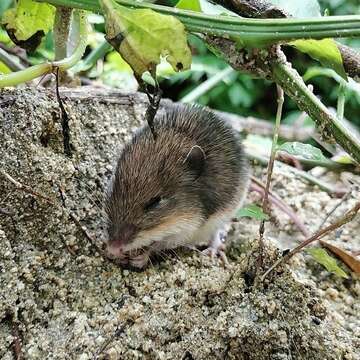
[217,246]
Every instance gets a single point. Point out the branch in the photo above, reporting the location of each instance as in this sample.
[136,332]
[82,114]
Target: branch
[272,65]
[61,31]
[351,60]
[263,9]
[253,32]
[330,127]
[38,70]
[253,8]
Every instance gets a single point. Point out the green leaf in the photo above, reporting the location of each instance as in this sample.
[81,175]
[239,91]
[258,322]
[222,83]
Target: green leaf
[299,9]
[325,51]
[115,61]
[322,257]
[305,151]
[193,5]
[143,36]
[4,69]
[28,18]
[343,158]
[252,211]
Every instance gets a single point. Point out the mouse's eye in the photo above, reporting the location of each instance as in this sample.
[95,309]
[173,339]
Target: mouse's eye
[152,203]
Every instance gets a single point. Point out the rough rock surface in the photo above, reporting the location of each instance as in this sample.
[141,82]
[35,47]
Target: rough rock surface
[59,299]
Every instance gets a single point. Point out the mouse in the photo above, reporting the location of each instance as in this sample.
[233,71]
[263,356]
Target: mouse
[179,188]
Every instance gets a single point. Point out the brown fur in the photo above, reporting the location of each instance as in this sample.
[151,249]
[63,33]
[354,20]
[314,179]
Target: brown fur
[147,169]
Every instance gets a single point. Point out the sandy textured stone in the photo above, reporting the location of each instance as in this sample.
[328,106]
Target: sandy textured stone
[67,302]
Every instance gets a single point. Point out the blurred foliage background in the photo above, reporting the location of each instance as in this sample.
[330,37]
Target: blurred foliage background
[237,93]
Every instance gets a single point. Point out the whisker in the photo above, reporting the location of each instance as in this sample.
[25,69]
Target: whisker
[92,190]
[151,263]
[162,255]
[194,248]
[176,255]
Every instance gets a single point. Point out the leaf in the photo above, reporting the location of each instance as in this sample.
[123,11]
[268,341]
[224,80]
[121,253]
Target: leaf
[4,69]
[351,261]
[143,36]
[343,158]
[330,264]
[28,18]
[193,5]
[299,9]
[325,51]
[115,61]
[252,211]
[306,151]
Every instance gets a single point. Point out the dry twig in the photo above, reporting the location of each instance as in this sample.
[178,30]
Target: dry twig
[26,188]
[350,215]
[265,204]
[76,220]
[328,215]
[259,187]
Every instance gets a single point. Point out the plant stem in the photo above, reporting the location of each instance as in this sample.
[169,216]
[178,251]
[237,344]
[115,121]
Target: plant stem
[350,215]
[207,85]
[9,61]
[248,31]
[98,53]
[341,102]
[258,186]
[61,31]
[265,203]
[41,69]
[329,126]
[341,201]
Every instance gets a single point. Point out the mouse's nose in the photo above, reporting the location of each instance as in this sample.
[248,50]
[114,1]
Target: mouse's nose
[124,234]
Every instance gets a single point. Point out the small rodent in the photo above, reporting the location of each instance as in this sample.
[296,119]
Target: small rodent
[179,189]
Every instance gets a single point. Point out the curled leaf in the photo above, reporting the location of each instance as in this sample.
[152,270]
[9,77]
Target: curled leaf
[143,37]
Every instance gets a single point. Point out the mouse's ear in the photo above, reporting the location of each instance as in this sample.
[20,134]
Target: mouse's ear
[195,159]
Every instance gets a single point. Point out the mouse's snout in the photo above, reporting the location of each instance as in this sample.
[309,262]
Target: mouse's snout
[124,235]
